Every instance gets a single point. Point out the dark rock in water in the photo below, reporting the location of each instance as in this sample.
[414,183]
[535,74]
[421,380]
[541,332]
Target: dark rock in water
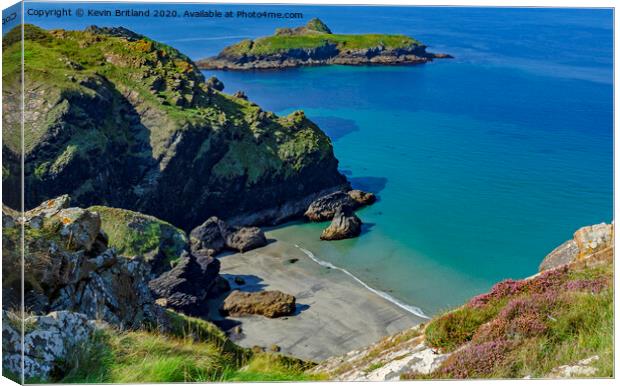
[246,239]
[215,83]
[185,287]
[271,304]
[361,197]
[345,225]
[209,237]
[239,280]
[325,207]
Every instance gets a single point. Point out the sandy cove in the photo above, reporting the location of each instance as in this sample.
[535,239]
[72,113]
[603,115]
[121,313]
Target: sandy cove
[334,315]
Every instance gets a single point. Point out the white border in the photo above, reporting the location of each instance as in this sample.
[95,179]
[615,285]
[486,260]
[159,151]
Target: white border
[446,3]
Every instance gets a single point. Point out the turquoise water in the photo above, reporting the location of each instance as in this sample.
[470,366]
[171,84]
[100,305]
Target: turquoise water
[482,164]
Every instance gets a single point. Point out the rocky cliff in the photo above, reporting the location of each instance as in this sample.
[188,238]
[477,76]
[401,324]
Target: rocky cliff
[555,324]
[315,44]
[113,118]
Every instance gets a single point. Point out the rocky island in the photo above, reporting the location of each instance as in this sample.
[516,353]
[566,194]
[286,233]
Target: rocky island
[315,44]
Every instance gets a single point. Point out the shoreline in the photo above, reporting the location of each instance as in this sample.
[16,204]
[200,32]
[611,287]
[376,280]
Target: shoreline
[335,312]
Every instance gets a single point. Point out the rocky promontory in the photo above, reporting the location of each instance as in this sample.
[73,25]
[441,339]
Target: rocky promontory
[315,44]
[120,120]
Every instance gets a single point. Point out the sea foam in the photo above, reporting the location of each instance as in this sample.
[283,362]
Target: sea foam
[414,310]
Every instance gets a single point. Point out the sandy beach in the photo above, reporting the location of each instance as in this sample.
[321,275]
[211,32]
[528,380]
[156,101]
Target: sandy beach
[335,314]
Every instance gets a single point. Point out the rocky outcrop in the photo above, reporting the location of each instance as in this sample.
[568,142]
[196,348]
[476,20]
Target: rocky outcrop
[344,225]
[328,49]
[135,234]
[48,341]
[582,368]
[68,266]
[158,139]
[325,207]
[209,237]
[271,304]
[185,288]
[387,360]
[586,241]
[246,239]
[214,235]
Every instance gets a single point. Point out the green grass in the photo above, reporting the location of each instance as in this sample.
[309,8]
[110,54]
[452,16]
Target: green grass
[58,62]
[266,367]
[280,43]
[457,327]
[133,233]
[195,351]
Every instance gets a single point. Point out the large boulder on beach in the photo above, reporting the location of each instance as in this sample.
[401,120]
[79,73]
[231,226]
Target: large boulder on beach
[246,239]
[214,235]
[271,304]
[209,237]
[344,225]
[186,287]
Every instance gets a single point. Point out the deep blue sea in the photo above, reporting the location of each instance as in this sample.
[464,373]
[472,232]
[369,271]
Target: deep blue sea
[483,163]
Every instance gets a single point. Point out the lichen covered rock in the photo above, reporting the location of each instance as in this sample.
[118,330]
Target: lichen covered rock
[48,340]
[68,266]
[586,241]
[136,234]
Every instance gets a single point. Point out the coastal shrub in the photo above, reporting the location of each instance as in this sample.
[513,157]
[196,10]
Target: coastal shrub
[455,328]
[589,285]
[476,360]
[557,318]
[498,291]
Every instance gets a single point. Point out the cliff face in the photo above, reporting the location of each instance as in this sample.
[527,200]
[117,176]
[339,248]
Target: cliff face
[315,44]
[114,118]
[555,324]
